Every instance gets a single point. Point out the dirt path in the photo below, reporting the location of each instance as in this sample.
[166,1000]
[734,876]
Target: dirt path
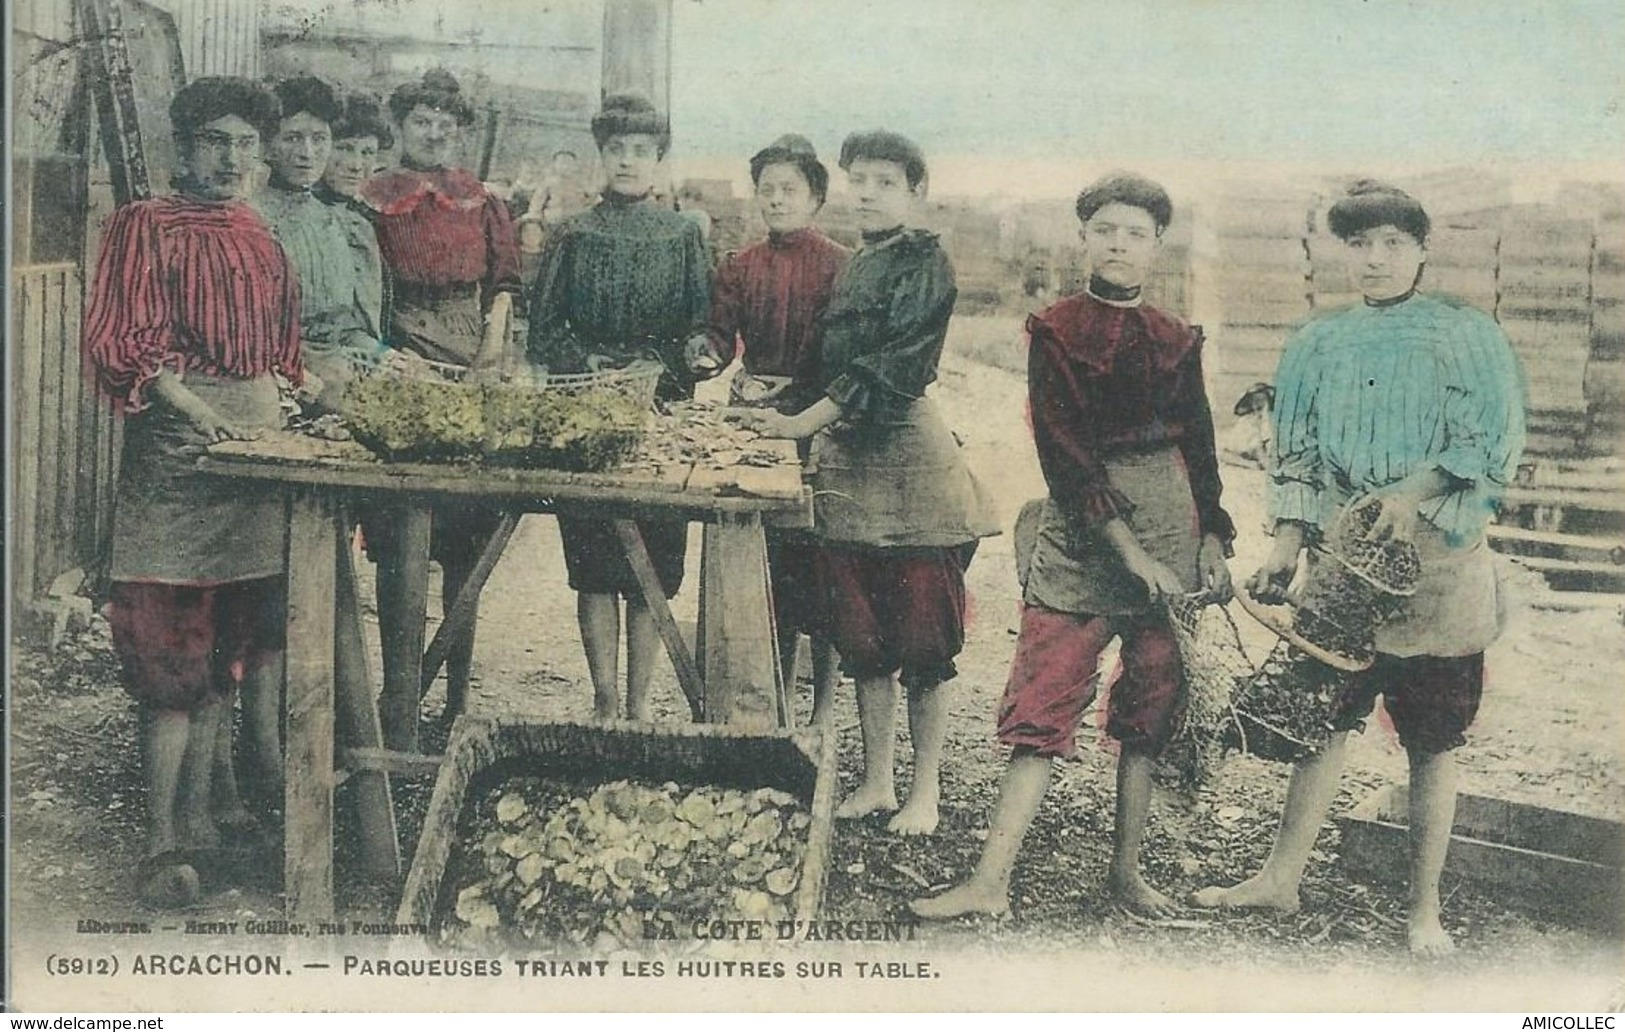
[1549,733]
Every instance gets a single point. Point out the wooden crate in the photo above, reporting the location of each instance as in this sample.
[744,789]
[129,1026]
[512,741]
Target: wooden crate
[485,750]
[1561,865]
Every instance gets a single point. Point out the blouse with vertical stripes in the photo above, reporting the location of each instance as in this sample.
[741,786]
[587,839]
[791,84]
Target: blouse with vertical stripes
[189,285]
[1368,395]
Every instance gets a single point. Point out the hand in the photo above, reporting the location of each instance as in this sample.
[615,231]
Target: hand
[765,421]
[702,362]
[1270,582]
[1212,572]
[1159,580]
[1398,517]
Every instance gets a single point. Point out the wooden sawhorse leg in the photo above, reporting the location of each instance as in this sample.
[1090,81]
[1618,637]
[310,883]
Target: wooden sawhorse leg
[688,674]
[461,611]
[358,724]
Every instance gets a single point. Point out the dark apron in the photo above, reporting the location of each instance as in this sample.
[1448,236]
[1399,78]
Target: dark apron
[901,482]
[1075,569]
[173,525]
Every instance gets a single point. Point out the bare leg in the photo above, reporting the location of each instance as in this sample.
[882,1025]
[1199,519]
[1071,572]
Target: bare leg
[163,734]
[460,653]
[600,619]
[196,825]
[1125,879]
[877,715]
[643,647]
[1314,784]
[1433,812]
[928,730]
[826,676]
[225,798]
[262,725]
[987,890]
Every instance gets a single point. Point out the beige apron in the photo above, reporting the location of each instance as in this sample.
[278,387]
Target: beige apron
[1457,609]
[173,525]
[900,482]
[1075,569]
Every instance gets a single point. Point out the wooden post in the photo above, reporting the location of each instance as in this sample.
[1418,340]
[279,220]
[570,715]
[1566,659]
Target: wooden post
[308,801]
[637,49]
[358,725]
[688,673]
[403,603]
[743,683]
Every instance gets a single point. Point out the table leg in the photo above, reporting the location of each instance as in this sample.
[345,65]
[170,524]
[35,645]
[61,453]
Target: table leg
[403,605]
[313,537]
[462,609]
[740,662]
[688,674]
[358,725]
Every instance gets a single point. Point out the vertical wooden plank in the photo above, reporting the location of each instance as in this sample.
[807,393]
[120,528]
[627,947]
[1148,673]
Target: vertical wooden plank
[403,604]
[740,665]
[50,430]
[25,471]
[308,802]
[357,723]
[66,323]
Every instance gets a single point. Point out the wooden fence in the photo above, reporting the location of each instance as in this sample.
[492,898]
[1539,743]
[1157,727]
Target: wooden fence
[66,438]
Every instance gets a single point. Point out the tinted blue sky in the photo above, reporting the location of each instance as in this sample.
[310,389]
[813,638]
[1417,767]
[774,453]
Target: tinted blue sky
[1259,80]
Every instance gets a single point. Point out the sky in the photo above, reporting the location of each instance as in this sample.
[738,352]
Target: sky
[1002,90]
[1321,82]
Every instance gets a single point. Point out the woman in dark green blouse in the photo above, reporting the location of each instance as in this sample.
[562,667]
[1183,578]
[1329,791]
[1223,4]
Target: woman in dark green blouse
[625,280]
[894,503]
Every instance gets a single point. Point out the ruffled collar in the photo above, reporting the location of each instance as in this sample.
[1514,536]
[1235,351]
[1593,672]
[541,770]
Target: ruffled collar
[1092,330]
[401,190]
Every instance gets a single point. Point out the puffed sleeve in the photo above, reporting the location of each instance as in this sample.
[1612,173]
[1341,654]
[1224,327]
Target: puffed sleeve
[1484,421]
[501,248]
[1198,447]
[727,312]
[1063,432]
[903,360]
[549,343]
[128,334]
[1297,475]
[697,279]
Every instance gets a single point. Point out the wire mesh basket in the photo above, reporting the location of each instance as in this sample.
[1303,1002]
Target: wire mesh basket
[1216,669]
[423,411]
[1284,711]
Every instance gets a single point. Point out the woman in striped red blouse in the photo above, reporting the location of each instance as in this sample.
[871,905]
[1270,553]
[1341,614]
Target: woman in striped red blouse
[192,311]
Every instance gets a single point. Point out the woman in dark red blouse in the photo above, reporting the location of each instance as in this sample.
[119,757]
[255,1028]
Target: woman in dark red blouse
[1125,439]
[192,310]
[450,249]
[768,299]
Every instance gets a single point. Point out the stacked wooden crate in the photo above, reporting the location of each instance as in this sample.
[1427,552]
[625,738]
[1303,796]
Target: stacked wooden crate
[1543,302]
[1605,371]
[1260,285]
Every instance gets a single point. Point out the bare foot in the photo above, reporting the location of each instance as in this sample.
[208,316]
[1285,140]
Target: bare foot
[1427,937]
[917,817]
[972,897]
[1253,894]
[866,800]
[1134,892]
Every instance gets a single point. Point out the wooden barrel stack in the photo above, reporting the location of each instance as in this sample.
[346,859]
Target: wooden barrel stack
[1260,279]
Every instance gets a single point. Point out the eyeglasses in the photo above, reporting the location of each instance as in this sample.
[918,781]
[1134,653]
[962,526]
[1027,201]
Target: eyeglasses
[247,144]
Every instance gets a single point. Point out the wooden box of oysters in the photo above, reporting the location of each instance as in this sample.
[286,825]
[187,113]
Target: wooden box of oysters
[563,836]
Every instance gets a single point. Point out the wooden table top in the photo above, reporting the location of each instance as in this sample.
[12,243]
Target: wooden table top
[772,489]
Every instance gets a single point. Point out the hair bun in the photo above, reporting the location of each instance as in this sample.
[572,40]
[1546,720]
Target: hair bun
[440,79]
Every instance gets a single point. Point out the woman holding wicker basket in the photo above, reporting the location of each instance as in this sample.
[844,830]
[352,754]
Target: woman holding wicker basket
[1411,405]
